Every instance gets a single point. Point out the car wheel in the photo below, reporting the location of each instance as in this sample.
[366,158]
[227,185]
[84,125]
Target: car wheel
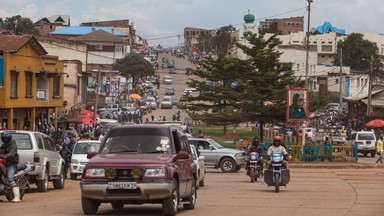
[117,205]
[373,154]
[365,154]
[192,197]
[201,183]
[171,203]
[59,183]
[73,176]
[89,206]
[42,185]
[228,165]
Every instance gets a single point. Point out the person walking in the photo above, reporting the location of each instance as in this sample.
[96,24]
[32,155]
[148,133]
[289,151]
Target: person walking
[380,150]
[66,155]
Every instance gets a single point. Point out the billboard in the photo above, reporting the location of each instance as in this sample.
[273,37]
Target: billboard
[297,100]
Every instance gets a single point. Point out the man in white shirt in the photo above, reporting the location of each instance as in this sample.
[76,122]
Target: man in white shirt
[276,148]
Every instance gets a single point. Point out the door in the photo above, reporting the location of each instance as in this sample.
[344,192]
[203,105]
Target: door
[208,151]
[52,155]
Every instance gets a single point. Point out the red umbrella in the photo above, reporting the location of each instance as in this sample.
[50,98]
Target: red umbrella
[375,123]
[87,120]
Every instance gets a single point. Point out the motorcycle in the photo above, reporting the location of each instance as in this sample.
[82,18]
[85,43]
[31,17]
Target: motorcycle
[277,175]
[21,178]
[254,168]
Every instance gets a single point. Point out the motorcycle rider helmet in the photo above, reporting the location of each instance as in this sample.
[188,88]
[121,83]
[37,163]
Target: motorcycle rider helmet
[276,140]
[6,136]
[256,142]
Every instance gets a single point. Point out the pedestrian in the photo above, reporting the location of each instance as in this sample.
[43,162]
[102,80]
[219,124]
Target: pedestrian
[380,150]
[164,118]
[66,155]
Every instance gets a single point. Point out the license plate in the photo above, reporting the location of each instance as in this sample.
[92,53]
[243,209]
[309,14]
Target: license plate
[122,185]
[276,164]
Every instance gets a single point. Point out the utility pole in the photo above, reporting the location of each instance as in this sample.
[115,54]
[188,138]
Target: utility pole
[97,93]
[307,44]
[369,105]
[341,75]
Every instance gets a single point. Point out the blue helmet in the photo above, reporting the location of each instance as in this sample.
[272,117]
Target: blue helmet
[6,136]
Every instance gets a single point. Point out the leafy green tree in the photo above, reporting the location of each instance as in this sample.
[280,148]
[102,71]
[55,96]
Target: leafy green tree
[134,66]
[218,101]
[1,23]
[21,25]
[267,81]
[217,41]
[357,52]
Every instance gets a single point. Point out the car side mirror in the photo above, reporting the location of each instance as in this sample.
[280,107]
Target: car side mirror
[91,155]
[211,147]
[182,155]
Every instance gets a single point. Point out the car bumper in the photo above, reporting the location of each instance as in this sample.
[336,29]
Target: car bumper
[77,168]
[143,192]
[241,161]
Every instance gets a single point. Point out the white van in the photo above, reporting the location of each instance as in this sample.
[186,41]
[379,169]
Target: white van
[366,142]
[79,155]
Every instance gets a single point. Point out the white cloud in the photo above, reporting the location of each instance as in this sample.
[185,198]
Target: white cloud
[30,11]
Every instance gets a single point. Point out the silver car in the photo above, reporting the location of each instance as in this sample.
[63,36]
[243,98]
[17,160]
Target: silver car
[199,161]
[166,102]
[216,156]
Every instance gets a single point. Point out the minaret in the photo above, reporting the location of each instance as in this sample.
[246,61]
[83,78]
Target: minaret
[249,26]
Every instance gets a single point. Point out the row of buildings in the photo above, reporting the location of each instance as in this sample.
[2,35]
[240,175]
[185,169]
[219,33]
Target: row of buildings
[323,77]
[47,79]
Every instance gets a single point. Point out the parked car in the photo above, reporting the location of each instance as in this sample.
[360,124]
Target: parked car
[169,91]
[166,102]
[366,142]
[175,100]
[139,164]
[167,80]
[39,150]
[199,161]
[79,156]
[216,156]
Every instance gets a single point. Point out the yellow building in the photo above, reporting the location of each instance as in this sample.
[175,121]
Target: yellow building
[31,84]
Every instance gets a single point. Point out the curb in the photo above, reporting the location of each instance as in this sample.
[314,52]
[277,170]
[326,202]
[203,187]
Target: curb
[335,165]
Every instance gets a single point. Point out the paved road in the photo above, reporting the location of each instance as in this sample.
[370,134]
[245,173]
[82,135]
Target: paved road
[331,192]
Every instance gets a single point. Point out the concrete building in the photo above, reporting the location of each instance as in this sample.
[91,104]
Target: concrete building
[31,84]
[191,36]
[284,26]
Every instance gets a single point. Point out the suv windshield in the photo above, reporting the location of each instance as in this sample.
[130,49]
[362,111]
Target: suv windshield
[215,144]
[137,140]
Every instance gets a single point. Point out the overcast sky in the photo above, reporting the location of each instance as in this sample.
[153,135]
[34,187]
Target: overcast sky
[166,19]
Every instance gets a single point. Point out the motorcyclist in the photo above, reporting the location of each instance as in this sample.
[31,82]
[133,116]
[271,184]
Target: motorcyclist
[256,148]
[8,151]
[276,148]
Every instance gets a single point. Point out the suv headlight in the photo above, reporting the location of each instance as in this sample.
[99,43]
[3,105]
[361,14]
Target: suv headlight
[239,154]
[155,172]
[74,161]
[95,172]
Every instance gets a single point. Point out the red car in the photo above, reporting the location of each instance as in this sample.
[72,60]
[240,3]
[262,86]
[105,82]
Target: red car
[139,164]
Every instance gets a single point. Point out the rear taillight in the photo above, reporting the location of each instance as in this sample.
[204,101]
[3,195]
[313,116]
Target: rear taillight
[36,157]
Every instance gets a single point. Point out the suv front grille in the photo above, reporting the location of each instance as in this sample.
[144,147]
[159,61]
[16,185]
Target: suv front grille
[125,192]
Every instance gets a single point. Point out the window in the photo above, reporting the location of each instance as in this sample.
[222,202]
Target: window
[326,48]
[39,140]
[337,81]
[313,47]
[48,145]
[118,48]
[56,86]
[28,84]
[14,84]
[99,47]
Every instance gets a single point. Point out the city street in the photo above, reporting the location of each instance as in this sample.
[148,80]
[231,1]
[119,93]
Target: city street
[331,192]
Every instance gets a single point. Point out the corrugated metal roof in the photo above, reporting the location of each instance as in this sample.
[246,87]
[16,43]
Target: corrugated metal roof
[13,43]
[327,27]
[82,30]
[362,96]
[99,35]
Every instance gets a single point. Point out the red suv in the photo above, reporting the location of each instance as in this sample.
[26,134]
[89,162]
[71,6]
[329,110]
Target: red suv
[139,164]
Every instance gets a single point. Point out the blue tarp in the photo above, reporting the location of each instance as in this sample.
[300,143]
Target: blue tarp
[82,30]
[327,27]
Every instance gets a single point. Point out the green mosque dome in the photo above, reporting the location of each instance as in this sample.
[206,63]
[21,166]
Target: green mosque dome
[249,18]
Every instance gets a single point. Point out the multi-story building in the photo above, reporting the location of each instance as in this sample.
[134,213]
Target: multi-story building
[31,84]
[284,26]
[191,36]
